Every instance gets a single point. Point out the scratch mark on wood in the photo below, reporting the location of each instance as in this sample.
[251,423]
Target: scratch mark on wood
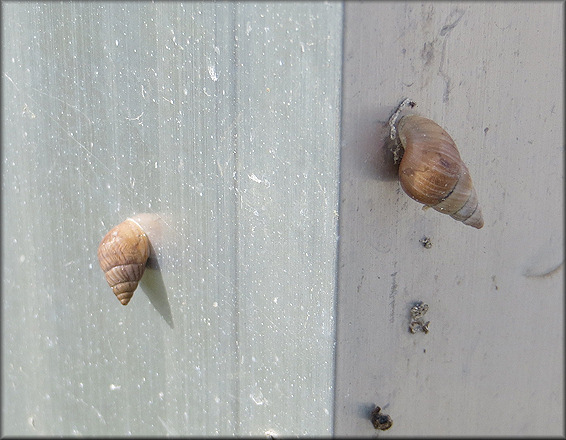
[532,273]
[392,295]
[455,16]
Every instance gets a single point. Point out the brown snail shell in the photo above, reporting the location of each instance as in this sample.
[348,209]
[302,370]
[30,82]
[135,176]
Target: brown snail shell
[433,173]
[123,254]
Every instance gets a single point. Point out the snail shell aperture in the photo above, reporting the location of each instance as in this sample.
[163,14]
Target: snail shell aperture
[432,172]
[123,254]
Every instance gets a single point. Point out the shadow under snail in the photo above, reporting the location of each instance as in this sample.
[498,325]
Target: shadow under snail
[123,255]
[431,170]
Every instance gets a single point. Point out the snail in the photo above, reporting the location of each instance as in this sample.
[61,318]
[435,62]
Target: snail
[123,255]
[431,170]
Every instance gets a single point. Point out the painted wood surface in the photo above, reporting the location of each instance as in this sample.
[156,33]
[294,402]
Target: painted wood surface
[222,119]
[492,363]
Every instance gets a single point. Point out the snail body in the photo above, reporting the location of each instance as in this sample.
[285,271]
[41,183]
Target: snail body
[123,255]
[431,170]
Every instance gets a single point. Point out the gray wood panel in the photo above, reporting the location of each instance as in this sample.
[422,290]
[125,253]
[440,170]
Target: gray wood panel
[492,363]
[222,121]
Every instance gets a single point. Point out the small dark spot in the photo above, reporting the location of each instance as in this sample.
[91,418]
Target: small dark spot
[380,421]
[425,241]
[494,282]
[417,322]
[447,163]
[427,53]
[485,130]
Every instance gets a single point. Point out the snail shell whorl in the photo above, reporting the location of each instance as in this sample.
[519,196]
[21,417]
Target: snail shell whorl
[123,254]
[432,172]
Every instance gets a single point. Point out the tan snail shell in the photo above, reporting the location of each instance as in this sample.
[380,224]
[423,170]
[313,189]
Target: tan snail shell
[123,254]
[432,172]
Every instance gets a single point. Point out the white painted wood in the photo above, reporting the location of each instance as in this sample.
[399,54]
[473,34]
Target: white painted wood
[222,119]
[492,363]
